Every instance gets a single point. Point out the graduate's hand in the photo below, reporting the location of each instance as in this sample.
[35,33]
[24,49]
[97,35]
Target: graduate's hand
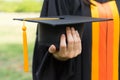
[70,49]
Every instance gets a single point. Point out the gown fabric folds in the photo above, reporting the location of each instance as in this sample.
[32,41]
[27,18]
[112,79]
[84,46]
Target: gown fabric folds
[45,66]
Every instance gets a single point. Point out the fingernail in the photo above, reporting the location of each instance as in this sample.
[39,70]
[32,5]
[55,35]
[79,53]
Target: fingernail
[77,31]
[52,49]
[72,28]
[63,35]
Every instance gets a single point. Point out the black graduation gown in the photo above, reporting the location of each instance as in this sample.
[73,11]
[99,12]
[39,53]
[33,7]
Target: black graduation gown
[45,66]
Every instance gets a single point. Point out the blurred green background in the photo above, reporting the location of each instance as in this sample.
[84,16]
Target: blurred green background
[11,52]
[20,5]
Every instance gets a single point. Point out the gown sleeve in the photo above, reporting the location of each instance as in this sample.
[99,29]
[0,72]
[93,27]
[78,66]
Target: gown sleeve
[45,66]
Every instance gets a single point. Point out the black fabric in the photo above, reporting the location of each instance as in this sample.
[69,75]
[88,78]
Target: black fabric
[86,45]
[45,66]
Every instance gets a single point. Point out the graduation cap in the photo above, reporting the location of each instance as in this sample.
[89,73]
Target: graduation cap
[55,21]
[63,20]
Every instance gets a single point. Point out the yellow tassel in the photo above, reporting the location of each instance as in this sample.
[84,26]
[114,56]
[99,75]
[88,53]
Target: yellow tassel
[25,48]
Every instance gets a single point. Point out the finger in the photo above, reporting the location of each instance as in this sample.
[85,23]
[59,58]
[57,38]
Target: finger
[52,49]
[77,34]
[78,37]
[69,39]
[75,46]
[78,44]
[62,44]
[74,35]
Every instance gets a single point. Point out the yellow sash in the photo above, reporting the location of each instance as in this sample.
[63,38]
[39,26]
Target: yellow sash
[105,55]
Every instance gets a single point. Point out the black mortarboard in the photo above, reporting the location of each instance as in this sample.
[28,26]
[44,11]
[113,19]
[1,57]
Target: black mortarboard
[53,27]
[57,23]
[63,20]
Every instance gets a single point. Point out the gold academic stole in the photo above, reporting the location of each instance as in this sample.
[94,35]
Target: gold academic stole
[105,41]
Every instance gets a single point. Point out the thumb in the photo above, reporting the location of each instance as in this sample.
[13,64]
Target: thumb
[52,49]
